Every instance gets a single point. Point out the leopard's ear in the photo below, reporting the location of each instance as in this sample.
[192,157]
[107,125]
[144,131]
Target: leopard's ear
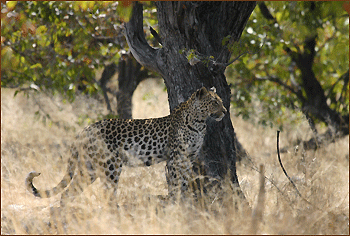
[212,89]
[201,93]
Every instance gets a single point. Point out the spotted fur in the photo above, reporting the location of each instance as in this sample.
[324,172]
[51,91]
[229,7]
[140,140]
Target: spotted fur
[101,149]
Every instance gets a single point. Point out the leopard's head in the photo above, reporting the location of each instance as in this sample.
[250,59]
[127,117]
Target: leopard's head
[210,104]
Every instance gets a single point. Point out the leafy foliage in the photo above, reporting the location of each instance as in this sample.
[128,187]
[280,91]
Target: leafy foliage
[57,46]
[289,25]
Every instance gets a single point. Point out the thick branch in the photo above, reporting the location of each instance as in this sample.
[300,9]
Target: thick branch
[140,49]
[265,11]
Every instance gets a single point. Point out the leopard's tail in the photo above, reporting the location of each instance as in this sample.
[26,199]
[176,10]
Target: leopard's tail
[56,190]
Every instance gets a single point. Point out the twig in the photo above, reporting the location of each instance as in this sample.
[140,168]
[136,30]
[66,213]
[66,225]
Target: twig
[247,52]
[235,59]
[279,159]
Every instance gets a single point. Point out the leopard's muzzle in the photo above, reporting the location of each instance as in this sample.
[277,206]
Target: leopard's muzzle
[219,115]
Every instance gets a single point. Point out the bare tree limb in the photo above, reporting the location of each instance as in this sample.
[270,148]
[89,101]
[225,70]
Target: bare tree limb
[140,49]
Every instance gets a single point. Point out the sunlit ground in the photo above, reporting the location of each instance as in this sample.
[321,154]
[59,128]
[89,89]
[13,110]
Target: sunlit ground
[321,176]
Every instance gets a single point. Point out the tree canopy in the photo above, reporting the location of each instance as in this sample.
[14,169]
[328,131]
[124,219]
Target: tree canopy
[296,39]
[57,47]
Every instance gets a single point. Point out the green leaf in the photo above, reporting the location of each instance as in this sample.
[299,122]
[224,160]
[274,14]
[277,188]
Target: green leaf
[16,92]
[11,4]
[41,29]
[37,65]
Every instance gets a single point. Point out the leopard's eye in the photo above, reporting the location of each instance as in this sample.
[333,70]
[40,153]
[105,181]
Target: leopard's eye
[215,103]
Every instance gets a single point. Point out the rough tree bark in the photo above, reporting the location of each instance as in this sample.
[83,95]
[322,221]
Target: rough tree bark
[200,26]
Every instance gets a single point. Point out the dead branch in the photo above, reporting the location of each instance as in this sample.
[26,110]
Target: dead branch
[279,159]
[295,187]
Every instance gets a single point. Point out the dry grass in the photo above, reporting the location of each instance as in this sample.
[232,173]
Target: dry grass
[322,177]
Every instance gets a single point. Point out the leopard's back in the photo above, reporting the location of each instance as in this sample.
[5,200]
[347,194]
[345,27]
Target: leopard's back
[138,142]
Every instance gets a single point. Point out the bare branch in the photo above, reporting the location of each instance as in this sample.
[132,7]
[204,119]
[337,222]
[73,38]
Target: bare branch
[296,189]
[235,59]
[140,49]
[255,168]
[279,160]
[107,74]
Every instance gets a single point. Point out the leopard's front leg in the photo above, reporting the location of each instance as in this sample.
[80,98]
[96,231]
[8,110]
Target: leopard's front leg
[179,173]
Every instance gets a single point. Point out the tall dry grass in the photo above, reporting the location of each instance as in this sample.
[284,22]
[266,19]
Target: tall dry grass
[322,177]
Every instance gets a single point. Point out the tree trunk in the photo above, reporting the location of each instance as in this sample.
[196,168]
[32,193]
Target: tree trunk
[107,74]
[130,75]
[200,26]
[315,102]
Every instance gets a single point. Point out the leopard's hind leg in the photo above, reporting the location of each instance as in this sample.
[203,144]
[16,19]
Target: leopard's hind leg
[111,178]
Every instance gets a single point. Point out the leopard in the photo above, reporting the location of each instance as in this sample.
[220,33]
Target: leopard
[101,150]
